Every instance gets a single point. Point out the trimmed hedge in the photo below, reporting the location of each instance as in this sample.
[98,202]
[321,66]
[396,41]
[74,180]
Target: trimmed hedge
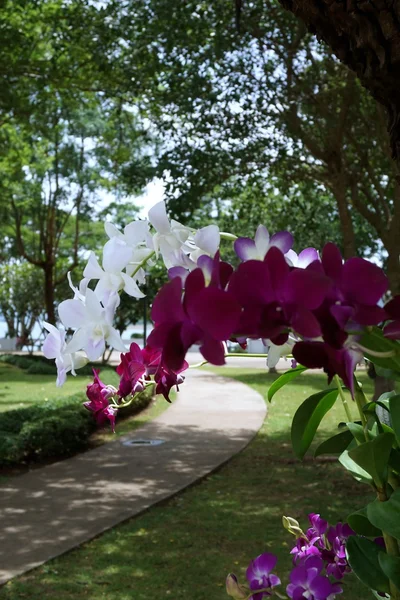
[53,429]
[40,365]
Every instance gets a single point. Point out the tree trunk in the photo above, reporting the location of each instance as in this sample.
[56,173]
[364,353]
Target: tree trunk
[393,270]
[366,37]
[346,224]
[49,294]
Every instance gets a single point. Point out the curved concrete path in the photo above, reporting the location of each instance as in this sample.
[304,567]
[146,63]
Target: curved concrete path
[51,510]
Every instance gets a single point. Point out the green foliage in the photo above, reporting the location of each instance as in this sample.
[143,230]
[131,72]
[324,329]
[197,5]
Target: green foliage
[373,457]
[336,444]
[390,565]
[385,515]
[54,429]
[360,523]
[363,556]
[283,380]
[307,419]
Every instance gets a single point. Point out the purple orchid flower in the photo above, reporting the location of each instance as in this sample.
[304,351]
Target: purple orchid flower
[358,286]
[166,379]
[259,575]
[307,583]
[248,249]
[135,365]
[98,394]
[275,298]
[392,308]
[208,315]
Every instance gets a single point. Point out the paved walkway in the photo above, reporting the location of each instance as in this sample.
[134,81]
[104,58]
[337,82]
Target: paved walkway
[48,511]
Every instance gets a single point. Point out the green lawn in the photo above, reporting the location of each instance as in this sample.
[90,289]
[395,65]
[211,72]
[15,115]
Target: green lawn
[18,388]
[183,549]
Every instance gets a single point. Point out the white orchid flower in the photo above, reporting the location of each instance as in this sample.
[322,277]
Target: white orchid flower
[93,322]
[54,347]
[276,352]
[169,236]
[111,278]
[248,249]
[135,233]
[302,260]
[79,292]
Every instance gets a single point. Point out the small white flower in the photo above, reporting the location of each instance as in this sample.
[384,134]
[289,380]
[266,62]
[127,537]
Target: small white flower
[54,347]
[93,322]
[111,278]
[169,237]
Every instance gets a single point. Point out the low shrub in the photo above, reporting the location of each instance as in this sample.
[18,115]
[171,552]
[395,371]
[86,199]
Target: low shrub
[53,429]
[39,365]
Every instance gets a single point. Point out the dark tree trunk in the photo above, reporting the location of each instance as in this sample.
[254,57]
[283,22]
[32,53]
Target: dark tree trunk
[366,37]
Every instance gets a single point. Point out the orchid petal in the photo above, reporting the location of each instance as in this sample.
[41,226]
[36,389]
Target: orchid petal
[77,343]
[306,257]
[130,287]
[72,313]
[93,269]
[94,310]
[208,239]
[363,281]
[116,255]
[262,240]
[282,240]
[246,249]
[115,340]
[111,230]
[136,232]
[159,219]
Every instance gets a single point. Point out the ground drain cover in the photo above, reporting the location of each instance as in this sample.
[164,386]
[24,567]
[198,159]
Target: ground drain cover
[143,442]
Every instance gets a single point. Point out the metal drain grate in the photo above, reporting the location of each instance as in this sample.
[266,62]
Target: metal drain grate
[143,442]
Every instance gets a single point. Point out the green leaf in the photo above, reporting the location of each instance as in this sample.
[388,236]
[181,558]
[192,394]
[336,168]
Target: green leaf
[358,473]
[336,444]
[307,418]
[390,565]
[284,379]
[386,515]
[374,339]
[394,405]
[360,523]
[357,432]
[373,457]
[363,557]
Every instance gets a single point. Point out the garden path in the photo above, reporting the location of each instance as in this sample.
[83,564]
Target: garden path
[51,510]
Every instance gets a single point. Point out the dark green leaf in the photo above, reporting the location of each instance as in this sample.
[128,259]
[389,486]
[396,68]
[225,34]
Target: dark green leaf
[357,431]
[394,404]
[386,515]
[361,524]
[363,557]
[284,379]
[336,444]
[374,339]
[307,418]
[358,473]
[390,565]
[373,456]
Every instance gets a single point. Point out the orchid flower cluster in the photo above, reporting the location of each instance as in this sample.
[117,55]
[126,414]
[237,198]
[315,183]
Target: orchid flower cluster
[327,313]
[319,563]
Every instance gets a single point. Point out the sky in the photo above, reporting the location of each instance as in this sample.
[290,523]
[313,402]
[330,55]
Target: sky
[154,193]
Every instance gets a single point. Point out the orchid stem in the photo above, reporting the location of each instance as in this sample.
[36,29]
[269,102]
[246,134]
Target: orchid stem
[343,399]
[143,262]
[361,401]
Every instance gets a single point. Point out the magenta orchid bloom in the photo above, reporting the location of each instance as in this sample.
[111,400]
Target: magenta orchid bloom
[259,575]
[99,394]
[392,309]
[207,315]
[135,365]
[307,583]
[257,249]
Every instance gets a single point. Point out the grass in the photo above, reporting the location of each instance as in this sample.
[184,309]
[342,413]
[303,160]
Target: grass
[184,547]
[19,388]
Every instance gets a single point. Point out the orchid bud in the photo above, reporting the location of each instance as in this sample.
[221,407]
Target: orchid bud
[108,392]
[293,527]
[138,387]
[235,589]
